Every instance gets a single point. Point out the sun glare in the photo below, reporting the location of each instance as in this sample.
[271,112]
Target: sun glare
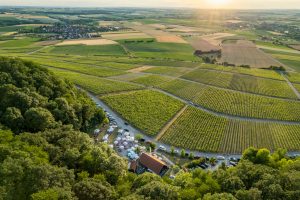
[218,3]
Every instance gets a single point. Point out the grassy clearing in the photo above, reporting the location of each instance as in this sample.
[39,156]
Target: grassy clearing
[293,77]
[147,110]
[198,130]
[93,84]
[85,50]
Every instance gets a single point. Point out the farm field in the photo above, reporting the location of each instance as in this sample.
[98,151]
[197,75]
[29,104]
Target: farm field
[198,130]
[81,68]
[263,73]
[245,53]
[169,71]
[158,50]
[151,80]
[233,102]
[87,42]
[241,82]
[146,109]
[293,77]
[248,105]
[202,45]
[291,60]
[126,36]
[159,35]
[94,84]
[85,50]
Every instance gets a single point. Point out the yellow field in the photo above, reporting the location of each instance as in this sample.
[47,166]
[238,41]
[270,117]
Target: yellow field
[87,42]
[125,35]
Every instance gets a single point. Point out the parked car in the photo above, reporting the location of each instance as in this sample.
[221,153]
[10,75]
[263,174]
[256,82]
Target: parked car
[220,158]
[162,148]
[126,123]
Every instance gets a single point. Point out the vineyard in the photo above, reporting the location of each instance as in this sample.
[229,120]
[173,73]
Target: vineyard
[247,105]
[198,130]
[81,68]
[294,77]
[152,80]
[297,86]
[243,83]
[146,109]
[170,71]
[94,84]
[263,73]
[183,88]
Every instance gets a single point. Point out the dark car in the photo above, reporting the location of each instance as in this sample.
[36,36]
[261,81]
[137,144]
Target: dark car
[126,123]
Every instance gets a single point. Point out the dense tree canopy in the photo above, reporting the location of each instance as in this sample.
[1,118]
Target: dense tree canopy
[32,99]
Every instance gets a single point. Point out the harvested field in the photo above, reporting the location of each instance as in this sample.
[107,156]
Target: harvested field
[125,36]
[87,42]
[161,36]
[140,69]
[187,29]
[47,43]
[246,53]
[216,38]
[203,45]
[296,46]
[158,26]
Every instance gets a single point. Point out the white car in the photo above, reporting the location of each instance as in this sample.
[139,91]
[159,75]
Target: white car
[220,158]
[163,148]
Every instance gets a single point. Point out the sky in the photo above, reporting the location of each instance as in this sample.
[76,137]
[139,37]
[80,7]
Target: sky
[201,4]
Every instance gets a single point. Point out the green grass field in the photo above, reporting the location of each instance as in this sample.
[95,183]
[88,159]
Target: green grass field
[85,50]
[19,43]
[146,109]
[157,50]
[198,130]
[94,84]
[81,68]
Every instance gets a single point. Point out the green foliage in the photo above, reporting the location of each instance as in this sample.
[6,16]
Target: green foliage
[85,50]
[34,99]
[146,109]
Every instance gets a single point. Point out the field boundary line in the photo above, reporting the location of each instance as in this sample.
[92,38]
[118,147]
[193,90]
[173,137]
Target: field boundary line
[167,126]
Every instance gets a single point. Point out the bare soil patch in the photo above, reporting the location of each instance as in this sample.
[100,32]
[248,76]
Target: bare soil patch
[246,53]
[203,45]
[296,46]
[216,38]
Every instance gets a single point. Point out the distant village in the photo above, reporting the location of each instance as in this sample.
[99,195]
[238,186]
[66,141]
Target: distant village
[59,31]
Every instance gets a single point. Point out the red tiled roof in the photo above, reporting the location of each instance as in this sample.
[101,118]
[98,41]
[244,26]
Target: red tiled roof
[133,165]
[152,163]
